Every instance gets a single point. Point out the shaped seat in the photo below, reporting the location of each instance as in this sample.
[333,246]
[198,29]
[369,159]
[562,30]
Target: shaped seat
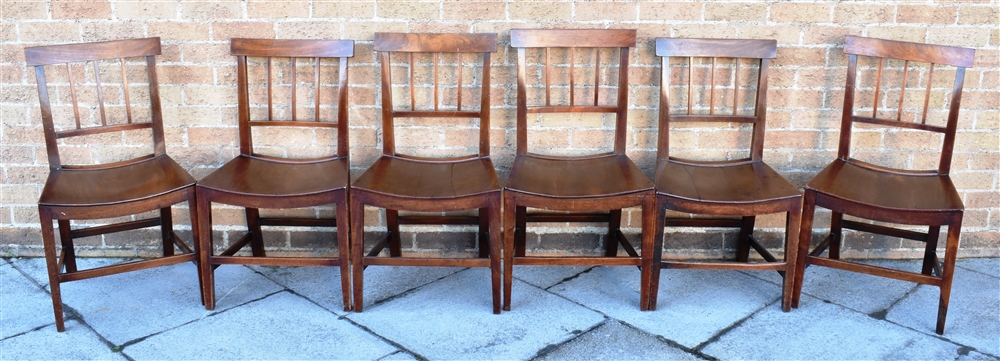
[582,188]
[852,187]
[398,181]
[743,187]
[254,180]
[128,187]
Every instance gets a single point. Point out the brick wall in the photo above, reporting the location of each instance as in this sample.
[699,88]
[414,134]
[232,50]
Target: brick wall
[197,77]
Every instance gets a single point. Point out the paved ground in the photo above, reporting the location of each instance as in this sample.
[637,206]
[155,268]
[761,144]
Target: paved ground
[436,313]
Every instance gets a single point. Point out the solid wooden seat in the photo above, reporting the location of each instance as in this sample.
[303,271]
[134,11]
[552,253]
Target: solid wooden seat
[739,185]
[430,184]
[256,178]
[574,177]
[253,180]
[148,178]
[588,188]
[886,194]
[886,191]
[744,187]
[109,190]
[407,178]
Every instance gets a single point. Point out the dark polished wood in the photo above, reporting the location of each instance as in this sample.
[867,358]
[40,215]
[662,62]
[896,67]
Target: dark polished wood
[405,182]
[579,185]
[744,188]
[851,187]
[96,191]
[254,181]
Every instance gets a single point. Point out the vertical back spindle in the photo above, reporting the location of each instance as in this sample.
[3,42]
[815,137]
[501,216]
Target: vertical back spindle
[878,83]
[316,81]
[291,67]
[690,83]
[927,95]
[572,76]
[736,85]
[100,93]
[458,57]
[270,102]
[902,91]
[413,99]
[128,103]
[711,96]
[597,74]
[72,93]
[548,100]
[436,57]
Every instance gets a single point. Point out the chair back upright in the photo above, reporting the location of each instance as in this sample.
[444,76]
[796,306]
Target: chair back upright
[884,51]
[572,39]
[443,49]
[752,108]
[112,109]
[278,61]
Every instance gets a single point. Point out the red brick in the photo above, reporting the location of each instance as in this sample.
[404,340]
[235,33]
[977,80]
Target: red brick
[670,10]
[81,9]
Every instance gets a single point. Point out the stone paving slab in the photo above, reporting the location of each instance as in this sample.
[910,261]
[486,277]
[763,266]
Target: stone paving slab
[152,300]
[546,276]
[988,266]
[23,305]
[452,319]
[973,312]
[280,326]
[819,330]
[860,292]
[322,284]
[78,343]
[693,305]
[613,340]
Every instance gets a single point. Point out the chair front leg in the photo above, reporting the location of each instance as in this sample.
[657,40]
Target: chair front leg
[792,237]
[495,244]
[510,224]
[805,238]
[205,251]
[343,251]
[948,270]
[357,252]
[52,265]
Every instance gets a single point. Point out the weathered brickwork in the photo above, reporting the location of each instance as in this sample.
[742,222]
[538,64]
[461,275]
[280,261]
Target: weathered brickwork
[197,77]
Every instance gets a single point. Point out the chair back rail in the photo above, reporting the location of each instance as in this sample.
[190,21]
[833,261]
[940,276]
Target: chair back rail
[270,49]
[884,50]
[437,45]
[737,49]
[571,39]
[95,53]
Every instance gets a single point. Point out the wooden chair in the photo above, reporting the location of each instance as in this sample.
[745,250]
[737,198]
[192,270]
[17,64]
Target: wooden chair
[97,191]
[594,183]
[426,184]
[253,180]
[852,187]
[743,187]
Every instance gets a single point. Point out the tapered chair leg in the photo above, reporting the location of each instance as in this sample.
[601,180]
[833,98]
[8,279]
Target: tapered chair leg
[658,224]
[792,222]
[510,223]
[805,238]
[495,244]
[344,251]
[649,268]
[948,270]
[52,265]
[205,251]
[358,252]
